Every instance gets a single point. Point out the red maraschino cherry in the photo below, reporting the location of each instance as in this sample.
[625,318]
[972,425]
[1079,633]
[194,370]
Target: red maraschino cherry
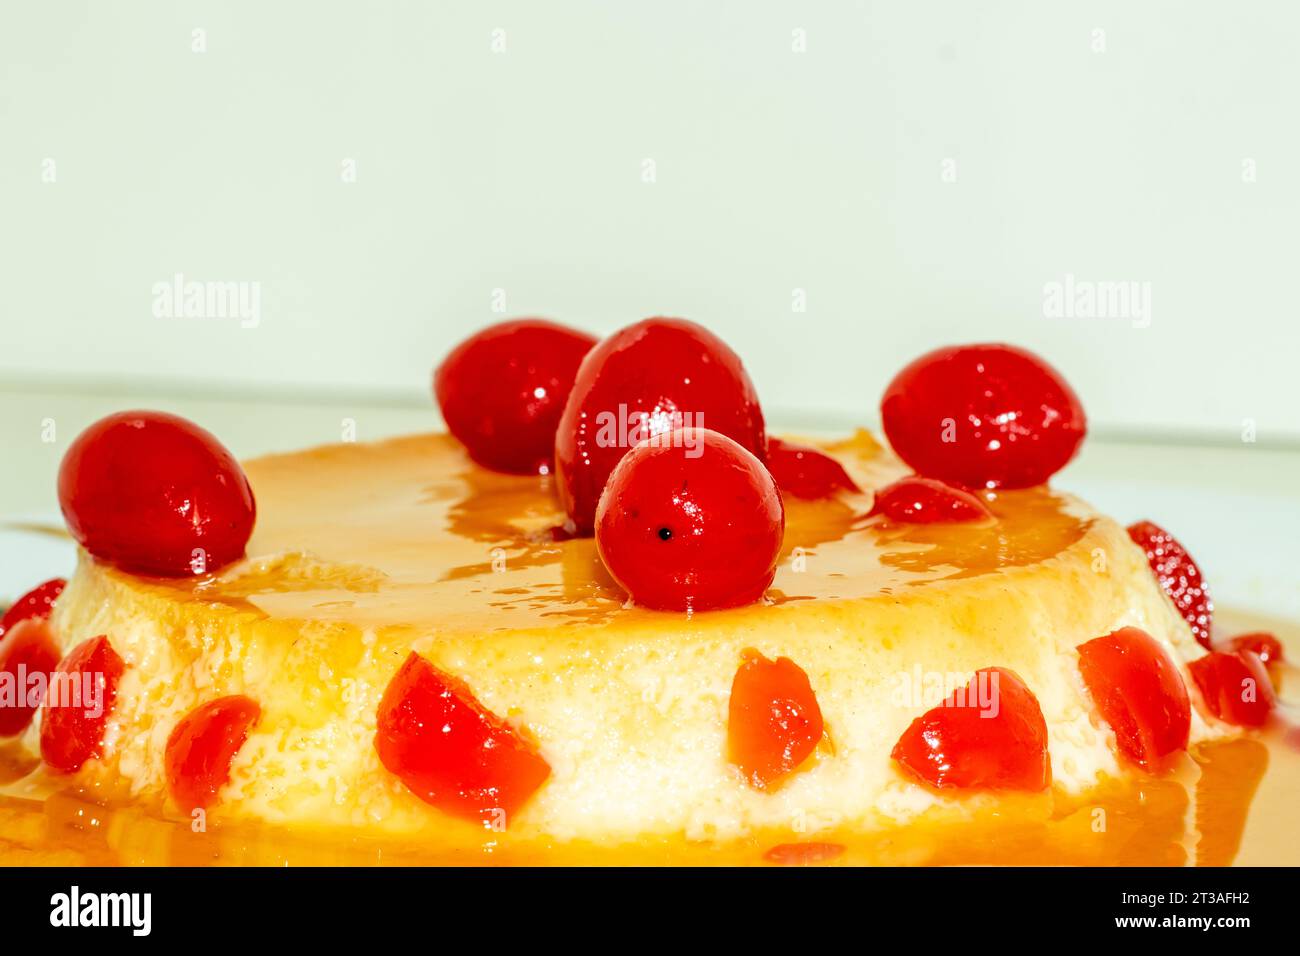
[502,390]
[804,854]
[691,520]
[37,603]
[917,500]
[77,705]
[1262,644]
[155,494]
[645,380]
[450,750]
[804,471]
[988,735]
[1236,687]
[1138,691]
[28,653]
[202,746]
[983,416]
[773,720]
[1179,577]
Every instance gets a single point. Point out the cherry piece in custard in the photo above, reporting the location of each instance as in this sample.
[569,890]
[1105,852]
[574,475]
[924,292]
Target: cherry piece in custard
[1262,644]
[27,649]
[80,698]
[988,735]
[1235,687]
[37,603]
[155,494]
[643,381]
[1178,575]
[917,500]
[804,471]
[983,416]
[203,744]
[28,653]
[450,750]
[773,720]
[804,854]
[502,390]
[691,521]
[1138,691]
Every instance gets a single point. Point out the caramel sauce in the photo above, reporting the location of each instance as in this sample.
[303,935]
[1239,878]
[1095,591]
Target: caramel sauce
[384,542]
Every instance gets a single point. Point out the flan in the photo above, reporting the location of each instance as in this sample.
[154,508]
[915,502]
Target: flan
[363,553]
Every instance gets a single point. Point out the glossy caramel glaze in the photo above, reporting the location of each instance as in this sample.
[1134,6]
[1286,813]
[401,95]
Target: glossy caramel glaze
[461,546]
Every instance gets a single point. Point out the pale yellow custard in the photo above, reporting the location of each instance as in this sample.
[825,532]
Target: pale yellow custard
[365,552]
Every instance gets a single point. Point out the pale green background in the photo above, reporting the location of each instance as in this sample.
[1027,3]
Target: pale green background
[776,170]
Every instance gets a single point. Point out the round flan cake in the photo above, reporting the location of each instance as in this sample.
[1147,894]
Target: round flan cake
[363,553]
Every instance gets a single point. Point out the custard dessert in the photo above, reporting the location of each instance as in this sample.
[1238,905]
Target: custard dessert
[665,641]
[364,553]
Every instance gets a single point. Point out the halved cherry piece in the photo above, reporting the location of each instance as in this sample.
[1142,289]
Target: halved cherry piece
[449,749]
[82,691]
[803,854]
[691,523]
[988,735]
[1178,575]
[1138,691]
[1262,644]
[804,471]
[155,494]
[917,500]
[202,745]
[983,416]
[1235,687]
[37,603]
[501,391]
[773,720]
[27,649]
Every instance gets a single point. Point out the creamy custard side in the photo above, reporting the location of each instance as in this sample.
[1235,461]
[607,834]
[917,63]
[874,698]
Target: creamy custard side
[366,552]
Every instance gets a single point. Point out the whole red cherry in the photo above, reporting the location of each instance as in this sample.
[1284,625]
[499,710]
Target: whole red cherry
[155,494]
[691,520]
[983,416]
[645,380]
[501,391]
